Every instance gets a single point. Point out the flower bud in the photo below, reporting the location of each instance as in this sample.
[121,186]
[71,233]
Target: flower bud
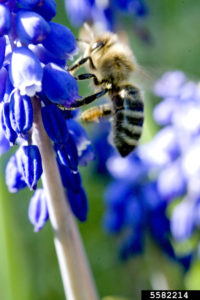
[47,9]
[38,211]
[85,151]
[60,41]
[30,165]
[54,124]
[31,27]
[67,153]
[59,85]
[29,4]
[70,179]
[21,113]
[45,56]
[3,80]
[78,203]
[14,178]
[10,134]
[26,71]
[2,49]
[5,20]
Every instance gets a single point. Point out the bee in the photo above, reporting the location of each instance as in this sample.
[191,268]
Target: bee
[110,64]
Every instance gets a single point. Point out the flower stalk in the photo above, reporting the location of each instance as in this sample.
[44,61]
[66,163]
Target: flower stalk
[76,275]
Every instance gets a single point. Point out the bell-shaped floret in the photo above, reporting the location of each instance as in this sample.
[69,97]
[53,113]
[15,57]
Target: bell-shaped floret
[54,124]
[59,85]
[4,144]
[14,178]
[5,20]
[2,49]
[68,154]
[3,80]
[21,113]
[29,4]
[38,211]
[47,9]
[45,56]
[30,165]
[26,71]
[70,179]
[78,203]
[31,27]
[61,41]
[10,134]
[85,151]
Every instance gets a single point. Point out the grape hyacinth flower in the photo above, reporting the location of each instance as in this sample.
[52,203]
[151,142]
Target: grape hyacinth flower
[179,110]
[165,170]
[106,15]
[34,80]
[134,206]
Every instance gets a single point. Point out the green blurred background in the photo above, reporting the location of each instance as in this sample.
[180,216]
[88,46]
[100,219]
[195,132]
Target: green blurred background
[28,264]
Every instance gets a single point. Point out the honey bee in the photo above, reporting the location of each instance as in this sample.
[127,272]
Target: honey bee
[110,64]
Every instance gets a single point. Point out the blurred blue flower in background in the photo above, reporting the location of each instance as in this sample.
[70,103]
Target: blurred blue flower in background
[33,54]
[166,169]
[106,15]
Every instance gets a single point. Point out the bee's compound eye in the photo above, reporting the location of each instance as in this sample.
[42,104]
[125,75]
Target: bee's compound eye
[97,45]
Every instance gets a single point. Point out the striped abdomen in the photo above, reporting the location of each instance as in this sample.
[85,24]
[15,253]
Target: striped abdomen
[128,119]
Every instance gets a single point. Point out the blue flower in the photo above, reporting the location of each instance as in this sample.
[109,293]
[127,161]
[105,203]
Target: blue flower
[104,13]
[38,211]
[33,58]
[166,169]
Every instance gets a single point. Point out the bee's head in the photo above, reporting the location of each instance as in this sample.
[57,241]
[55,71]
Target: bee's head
[101,43]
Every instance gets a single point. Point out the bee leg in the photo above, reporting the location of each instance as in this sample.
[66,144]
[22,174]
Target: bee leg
[88,99]
[88,76]
[84,76]
[93,114]
[80,62]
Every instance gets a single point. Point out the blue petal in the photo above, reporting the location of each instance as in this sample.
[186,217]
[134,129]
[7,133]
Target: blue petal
[171,182]
[30,165]
[78,11]
[38,211]
[169,84]
[67,153]
[83,144]
[182,222]
[5,20]
[134,212]
[70,179]
[4,144]
[3,80]
[55,124]
[59,85]
[61,42]
[21,113]
[132,245]
[47,9]
[29,4]
[10,134]
[45,56]
[117,193]
[26,71]
[78,203]
[2,50]
[31,27]
[14,178]
[165,110]
[113,221]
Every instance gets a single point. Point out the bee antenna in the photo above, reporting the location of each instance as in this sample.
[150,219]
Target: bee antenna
[82,41]
[89,29]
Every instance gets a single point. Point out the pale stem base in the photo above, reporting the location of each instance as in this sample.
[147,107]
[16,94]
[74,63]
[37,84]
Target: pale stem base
[76,275]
